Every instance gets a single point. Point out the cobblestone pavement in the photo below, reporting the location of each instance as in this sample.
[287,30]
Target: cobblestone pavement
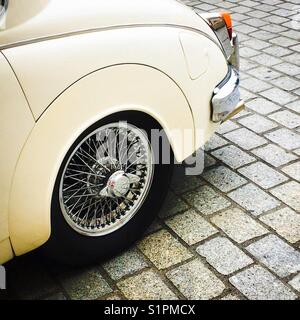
[234,232]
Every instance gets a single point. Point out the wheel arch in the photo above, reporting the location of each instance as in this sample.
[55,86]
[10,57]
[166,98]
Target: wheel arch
[108,91]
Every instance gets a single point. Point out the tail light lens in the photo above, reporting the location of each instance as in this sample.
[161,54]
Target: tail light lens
[228,21]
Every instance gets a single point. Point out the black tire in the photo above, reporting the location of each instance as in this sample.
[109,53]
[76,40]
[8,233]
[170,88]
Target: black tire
[70,247]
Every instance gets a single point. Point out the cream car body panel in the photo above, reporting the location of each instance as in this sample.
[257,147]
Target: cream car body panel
[77,65]
[16,122]
[134,46]
[42,19]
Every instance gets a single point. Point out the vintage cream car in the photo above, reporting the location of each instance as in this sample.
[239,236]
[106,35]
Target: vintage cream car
[73,75]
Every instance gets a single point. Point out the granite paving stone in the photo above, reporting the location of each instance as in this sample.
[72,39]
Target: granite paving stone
[295,282]
[223,255]
[288,68]
[286,222]
[233,156]
[127,263]
[238,225]
[238,17]
[241,9]
[277,255]
[294,106]
[263,175]
[246,65]
[277,51]
[275,20]
[262,106]
[278,96]
[257,14]
[256,44]
[265,7]
[146,286]
[253,199]
[255,85]
[289,194]
[256,283]
[245,29]
[257,123]
[264,73]
[224,179]
[247,52]
[163,250]
[283,12]
[266,60]
[195,281]
[293,34]
[286,83]
[264,35]
[296,48]
[215,142]
[274,155]
[191,227]
[273,28]
[227,126]
[206,200]
[295,57]
[286,118]
[245,139]
[283,41]
[293,170]
[84,284]
[285,138]
[247,95]
[255,22]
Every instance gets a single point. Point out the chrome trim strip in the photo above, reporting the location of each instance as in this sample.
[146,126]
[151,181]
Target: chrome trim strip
[80,32]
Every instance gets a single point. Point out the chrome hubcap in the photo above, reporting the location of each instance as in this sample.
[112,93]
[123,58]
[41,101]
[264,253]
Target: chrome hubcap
[118,184]
[106,179]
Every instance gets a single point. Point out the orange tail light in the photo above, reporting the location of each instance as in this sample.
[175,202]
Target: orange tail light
[227,18]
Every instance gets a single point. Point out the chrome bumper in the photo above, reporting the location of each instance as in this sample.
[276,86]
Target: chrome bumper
[226,100]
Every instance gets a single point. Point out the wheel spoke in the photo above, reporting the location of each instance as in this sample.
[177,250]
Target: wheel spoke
[85,173]
[78,154]
[103,183]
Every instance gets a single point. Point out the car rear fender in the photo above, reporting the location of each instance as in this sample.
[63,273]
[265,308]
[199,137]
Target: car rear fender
[99,94]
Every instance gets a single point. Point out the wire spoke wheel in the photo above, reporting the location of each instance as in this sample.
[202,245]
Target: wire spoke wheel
[106,179]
